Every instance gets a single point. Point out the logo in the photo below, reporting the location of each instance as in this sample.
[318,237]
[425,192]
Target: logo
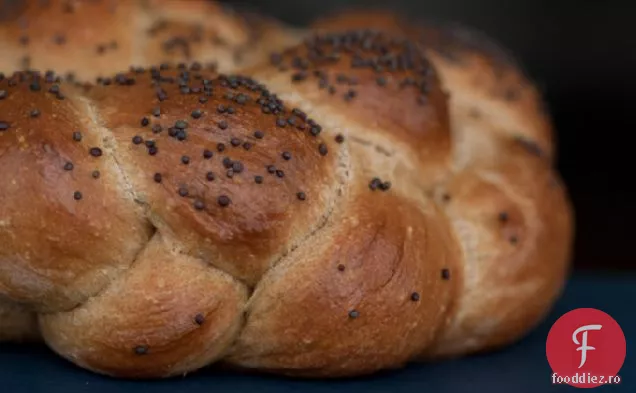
[586,348]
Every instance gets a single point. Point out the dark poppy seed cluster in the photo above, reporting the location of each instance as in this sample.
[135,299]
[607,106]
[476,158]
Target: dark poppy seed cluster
[377,184]
[172,39]
[218,103]
[182,44]
[390,61]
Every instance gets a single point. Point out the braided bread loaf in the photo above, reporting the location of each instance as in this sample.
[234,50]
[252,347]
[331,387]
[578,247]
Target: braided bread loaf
[355,201]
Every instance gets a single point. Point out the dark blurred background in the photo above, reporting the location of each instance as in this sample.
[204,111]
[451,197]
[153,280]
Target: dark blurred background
[583,55]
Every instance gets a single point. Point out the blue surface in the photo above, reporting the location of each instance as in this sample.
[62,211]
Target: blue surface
[520,369]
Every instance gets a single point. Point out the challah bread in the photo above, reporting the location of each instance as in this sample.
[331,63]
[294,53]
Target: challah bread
[87,39]
[332,213]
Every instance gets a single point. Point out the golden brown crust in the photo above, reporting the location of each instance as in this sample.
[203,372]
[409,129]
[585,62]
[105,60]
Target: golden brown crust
[359,19]
[89,39]
[464,57]
[514,223]
[265,36]
[368,292]
[64,232]
[376,83]
[512,217]
[395,231]
[241,183]
[168,315]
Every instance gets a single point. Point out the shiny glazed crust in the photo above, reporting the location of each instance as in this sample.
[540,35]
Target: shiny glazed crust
[348,203]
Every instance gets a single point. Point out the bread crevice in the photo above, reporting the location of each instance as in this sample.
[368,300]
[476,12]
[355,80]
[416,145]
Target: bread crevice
[111,146]
[112,279]
[343,179]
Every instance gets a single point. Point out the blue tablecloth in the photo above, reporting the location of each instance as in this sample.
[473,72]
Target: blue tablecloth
[520,369]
